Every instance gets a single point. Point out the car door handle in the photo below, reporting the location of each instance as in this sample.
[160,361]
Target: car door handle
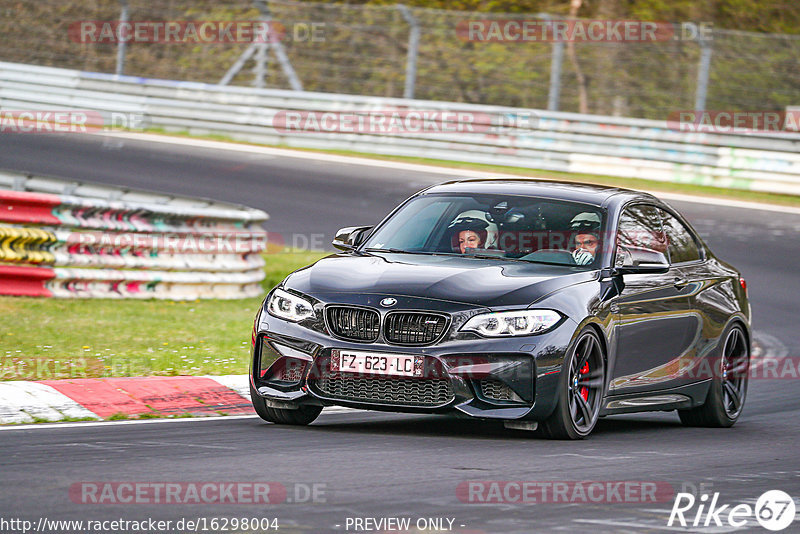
[681,282]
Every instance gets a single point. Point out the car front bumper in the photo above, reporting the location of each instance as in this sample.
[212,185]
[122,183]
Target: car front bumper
[493,378]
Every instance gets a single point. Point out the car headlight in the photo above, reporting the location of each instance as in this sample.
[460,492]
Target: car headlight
[290,307]
[512,323]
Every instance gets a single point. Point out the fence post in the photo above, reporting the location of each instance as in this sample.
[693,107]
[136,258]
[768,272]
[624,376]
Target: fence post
[413,50]
[703,70]
[277,48]
[240,62]
[556,61]
[124,16]
[260,69]
[554,95]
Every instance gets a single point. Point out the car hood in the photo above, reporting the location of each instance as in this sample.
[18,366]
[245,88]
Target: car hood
[474,281]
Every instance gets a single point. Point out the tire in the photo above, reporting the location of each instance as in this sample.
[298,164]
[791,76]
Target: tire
[728,390]
[580,393]
[303,415]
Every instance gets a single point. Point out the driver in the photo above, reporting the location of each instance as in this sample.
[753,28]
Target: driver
[586,229]
[468,233]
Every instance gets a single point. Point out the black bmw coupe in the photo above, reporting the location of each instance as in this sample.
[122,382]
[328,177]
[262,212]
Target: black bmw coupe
[542,304]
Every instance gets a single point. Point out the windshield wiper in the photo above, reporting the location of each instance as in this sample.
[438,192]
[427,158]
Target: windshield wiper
[396,251]
[506,258]
[490,257]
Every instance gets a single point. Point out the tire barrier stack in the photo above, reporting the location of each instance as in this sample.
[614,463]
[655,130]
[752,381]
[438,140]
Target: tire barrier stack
[77,240]
[530,138]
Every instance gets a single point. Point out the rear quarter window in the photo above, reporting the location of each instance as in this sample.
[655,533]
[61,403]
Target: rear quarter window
[683,246]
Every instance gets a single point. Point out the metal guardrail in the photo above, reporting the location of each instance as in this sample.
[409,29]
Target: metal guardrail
[535,139]
[71,239]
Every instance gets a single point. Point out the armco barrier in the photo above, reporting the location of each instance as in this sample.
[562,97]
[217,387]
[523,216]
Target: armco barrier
[68,239]
[536,139]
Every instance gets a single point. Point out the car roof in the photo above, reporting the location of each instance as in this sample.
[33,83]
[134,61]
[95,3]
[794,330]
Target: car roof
[599,195]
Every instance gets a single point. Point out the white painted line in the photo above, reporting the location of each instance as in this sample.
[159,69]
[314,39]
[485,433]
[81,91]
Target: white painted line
[770,349]
[332,410]
[726,202]
[23,401]
[415,167]
[84,424]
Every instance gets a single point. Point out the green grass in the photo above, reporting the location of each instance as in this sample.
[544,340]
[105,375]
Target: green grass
[42,420]
[631,183]
[61,338]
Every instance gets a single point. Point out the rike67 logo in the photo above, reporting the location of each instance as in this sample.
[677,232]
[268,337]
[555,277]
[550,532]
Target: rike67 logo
[774,510]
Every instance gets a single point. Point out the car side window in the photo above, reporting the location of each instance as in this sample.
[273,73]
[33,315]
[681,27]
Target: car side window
[639,227]
[682,244]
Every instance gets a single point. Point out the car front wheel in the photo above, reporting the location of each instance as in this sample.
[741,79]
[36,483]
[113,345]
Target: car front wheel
[303,415]
[581,391]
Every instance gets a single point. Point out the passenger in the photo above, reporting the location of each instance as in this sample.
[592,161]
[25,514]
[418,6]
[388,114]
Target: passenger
[586,229]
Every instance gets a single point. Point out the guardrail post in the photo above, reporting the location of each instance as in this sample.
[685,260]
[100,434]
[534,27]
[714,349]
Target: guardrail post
[124,16]
[413,51]
[703,70]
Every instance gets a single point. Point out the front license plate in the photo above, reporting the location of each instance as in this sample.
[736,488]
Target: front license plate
[376,363]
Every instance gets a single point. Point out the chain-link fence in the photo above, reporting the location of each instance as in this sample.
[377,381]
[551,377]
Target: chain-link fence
[397,51]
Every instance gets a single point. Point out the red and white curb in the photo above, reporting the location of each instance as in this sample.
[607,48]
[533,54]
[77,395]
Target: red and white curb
[101,398]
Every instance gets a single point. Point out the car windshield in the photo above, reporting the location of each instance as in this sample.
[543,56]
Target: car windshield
[495,226]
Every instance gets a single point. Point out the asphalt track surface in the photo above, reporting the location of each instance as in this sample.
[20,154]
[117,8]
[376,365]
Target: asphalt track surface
[387,465]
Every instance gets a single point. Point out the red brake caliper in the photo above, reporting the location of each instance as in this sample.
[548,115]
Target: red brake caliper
[584,390]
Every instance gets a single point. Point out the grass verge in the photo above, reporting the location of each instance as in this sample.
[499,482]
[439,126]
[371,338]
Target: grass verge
[43,339]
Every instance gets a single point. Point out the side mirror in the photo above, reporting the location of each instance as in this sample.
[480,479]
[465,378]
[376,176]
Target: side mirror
[638,260]
[350,237]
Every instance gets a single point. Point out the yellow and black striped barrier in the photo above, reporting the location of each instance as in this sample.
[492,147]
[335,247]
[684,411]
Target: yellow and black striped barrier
[26,245]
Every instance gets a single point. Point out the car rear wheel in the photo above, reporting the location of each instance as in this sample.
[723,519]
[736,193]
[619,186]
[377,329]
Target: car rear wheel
[301,416]
[581,391]
[728,389]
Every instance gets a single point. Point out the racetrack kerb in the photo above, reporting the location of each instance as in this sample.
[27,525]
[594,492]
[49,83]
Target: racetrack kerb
[43,339]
